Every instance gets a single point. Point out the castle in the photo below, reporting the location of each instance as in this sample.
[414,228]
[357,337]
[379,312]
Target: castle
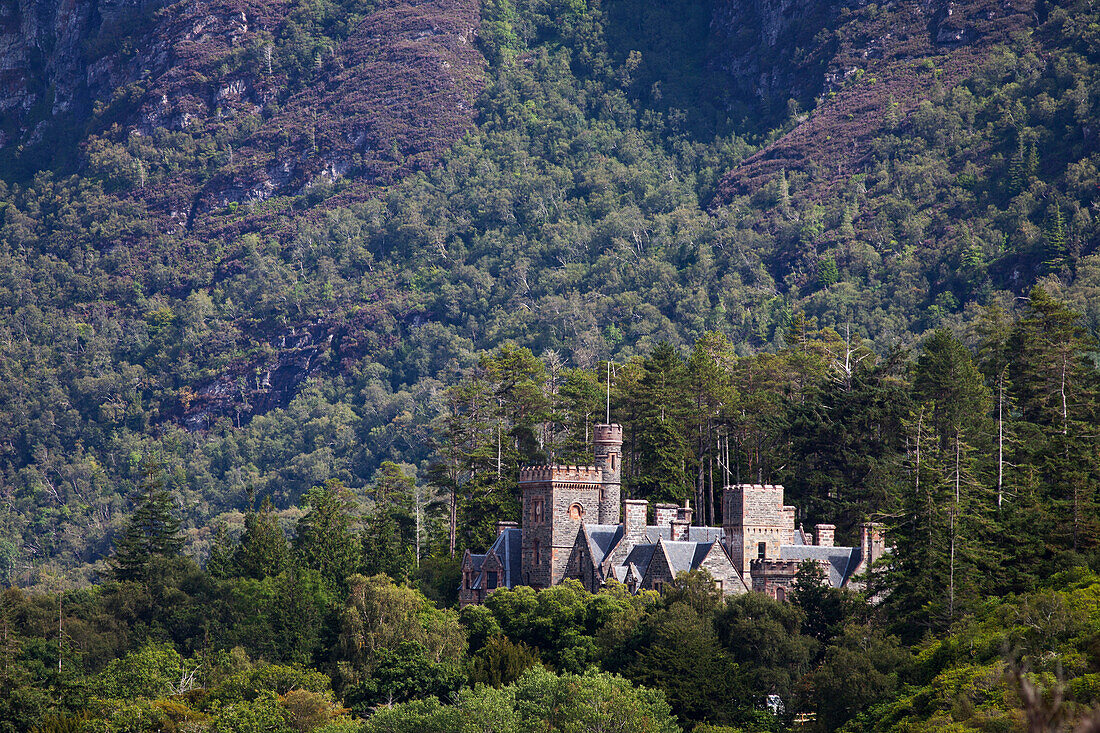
[575,525]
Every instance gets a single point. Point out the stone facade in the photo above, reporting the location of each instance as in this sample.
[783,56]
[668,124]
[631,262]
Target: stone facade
[607,449]
[575,527]
[556,500]
[757,523]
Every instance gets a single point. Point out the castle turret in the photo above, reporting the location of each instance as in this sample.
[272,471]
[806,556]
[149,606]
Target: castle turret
[607,444]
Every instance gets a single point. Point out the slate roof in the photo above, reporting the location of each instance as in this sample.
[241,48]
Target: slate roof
[681,555]
[602,538]
[842,561]
[509,548]
[639,556]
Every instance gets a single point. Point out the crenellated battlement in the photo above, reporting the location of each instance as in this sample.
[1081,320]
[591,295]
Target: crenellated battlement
[562,473]
[603,433]
[784,568]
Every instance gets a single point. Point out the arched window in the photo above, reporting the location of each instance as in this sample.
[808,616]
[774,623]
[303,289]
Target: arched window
[576,512]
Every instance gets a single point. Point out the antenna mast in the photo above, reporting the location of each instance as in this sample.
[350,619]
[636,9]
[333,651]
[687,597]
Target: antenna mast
[608,391]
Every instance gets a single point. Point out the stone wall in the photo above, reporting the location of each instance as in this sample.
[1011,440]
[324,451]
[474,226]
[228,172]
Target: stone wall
[607,449]
[755,514]
[567,495]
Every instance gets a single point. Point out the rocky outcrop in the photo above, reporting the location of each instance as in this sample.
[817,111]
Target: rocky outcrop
[775,50]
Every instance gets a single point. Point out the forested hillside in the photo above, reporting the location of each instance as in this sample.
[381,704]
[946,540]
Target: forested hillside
[289,291]
[257,256]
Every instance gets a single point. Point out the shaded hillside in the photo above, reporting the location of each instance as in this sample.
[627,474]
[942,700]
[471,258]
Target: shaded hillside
[876,65]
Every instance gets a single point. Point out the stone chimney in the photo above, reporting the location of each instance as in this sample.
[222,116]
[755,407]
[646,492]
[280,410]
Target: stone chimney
[683,514]
[825,534]
[634,516]
[663,514]
[872,542]
[501,526]
[679,530]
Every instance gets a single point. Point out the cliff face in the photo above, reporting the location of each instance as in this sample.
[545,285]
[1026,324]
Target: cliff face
[284,99]
[775,50]
[42,73]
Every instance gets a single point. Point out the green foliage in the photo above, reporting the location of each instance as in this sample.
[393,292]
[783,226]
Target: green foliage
[538,700]
[324,541]
[152,529]
[153,671]
[262,550]
[500,662]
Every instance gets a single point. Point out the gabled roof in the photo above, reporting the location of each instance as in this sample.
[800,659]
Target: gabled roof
[681,555]
[509,548]
[640,557]
[476,561]
[601,538]
[841,561]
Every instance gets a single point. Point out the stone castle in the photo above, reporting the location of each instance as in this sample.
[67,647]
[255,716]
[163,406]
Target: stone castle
[575,525]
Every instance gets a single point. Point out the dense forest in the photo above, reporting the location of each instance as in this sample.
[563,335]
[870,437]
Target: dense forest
[289,291]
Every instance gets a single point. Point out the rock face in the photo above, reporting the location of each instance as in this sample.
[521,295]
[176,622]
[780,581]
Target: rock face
[385,97]
[775,50]
[41,54]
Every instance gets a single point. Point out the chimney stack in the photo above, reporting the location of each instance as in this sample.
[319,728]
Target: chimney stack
[501,526]
[664,514]
[634,516]
[825,534]
[872,542]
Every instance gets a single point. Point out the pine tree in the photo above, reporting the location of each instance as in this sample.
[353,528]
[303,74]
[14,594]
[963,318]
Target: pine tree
[957,401]
[324,539]
[388,542]
[663,409]
[1055,255]
[262,550]
[152,530]
[1054,385]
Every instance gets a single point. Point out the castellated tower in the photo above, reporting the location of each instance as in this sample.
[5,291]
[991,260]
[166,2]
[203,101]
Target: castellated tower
[756,523]
[556,499]
[607,444]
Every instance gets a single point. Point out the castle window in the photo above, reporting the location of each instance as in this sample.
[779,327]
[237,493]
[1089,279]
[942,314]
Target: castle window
[537,511]
[576,512]
[490,581]
[781,594]
[761,550]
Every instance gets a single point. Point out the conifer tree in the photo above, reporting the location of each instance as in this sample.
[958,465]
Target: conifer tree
[262,550]
[389,540]
[324,539]
[152,530]
[1055,386]
[660,429]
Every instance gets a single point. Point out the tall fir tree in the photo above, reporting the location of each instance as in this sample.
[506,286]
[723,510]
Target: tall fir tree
[152,530]
[262,550]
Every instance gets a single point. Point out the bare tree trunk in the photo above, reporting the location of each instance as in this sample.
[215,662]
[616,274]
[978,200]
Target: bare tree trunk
[1000,438]
[951,530]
